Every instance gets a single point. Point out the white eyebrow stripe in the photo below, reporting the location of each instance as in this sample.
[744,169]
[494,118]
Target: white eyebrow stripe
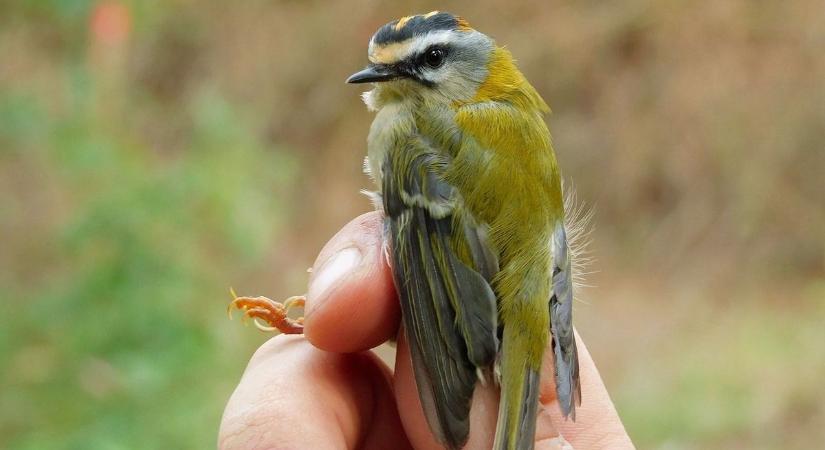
[439,37]
[399,51]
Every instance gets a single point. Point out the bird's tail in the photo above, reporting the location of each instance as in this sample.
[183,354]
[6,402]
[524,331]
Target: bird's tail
[516,428]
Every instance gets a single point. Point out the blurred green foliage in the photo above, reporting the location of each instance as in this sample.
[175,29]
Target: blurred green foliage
[117,255]
[154,153]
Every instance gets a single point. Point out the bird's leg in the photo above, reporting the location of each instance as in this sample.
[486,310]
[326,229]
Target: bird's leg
[269,311]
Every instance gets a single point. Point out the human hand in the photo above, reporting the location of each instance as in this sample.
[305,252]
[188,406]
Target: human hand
[326,390]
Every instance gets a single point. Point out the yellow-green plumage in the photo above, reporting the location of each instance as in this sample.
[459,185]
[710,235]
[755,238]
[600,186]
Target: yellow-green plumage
[527,206]
[472,195]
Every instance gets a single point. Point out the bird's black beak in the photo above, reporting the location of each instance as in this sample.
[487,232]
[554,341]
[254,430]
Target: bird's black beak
[374,73]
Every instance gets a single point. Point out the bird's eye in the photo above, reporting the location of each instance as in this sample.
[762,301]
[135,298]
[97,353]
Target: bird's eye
[434,57]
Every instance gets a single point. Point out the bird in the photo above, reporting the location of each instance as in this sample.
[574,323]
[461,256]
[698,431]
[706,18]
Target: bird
[474,222]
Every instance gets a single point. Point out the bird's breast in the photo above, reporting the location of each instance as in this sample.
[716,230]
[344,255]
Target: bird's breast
[396,123]
[393,124]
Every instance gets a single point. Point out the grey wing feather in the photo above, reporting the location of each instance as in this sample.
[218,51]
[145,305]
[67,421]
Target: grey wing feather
[568,387]
[448,307]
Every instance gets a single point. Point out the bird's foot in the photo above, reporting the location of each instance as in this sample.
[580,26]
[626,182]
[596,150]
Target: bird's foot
[273,313]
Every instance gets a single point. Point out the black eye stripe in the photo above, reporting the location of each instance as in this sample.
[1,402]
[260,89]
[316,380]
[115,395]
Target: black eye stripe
[412,70]
[414,66]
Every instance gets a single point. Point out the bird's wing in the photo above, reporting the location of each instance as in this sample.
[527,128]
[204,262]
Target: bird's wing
[566,359]
[439,260]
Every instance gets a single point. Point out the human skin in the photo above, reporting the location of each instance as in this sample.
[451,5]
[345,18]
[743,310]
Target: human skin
[326,390]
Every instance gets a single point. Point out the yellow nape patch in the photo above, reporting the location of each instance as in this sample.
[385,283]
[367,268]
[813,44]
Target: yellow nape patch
[430,14]
[389,54]
[505,81]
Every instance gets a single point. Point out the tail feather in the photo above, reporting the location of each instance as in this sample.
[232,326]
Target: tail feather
[516,427]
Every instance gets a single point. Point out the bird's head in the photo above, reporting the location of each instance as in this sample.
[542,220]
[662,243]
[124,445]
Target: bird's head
[435,57]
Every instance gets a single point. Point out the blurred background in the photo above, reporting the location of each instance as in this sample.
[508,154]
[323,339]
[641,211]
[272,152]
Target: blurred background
[152,154]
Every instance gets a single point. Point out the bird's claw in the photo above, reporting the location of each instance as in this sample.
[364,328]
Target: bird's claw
[270,312]
[296,301]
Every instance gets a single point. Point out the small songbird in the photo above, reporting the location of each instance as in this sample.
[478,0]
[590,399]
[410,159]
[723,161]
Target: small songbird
[474,220]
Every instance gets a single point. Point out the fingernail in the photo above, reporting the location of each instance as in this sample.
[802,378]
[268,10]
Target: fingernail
[331,271]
